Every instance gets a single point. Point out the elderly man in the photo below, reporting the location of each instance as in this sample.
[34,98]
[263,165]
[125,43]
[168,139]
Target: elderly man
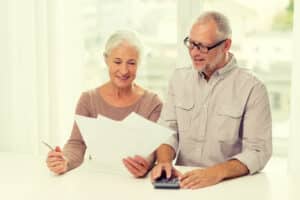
[220,112]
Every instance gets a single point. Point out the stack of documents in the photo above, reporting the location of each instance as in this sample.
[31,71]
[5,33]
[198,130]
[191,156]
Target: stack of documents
[108,141]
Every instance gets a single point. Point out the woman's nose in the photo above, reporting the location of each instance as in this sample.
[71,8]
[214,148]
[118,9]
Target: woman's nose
[124,69]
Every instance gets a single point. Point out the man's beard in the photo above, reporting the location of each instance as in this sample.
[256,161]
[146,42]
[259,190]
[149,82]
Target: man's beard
[211,67]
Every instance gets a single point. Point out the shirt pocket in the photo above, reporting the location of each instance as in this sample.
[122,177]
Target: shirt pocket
[184,114]
[228,123]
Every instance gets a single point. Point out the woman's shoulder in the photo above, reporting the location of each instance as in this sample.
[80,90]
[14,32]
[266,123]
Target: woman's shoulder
[88,94]
[86,104]
[150,106]
[87,97]
[151,98]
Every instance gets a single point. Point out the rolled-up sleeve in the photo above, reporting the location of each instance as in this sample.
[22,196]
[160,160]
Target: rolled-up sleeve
[257,131]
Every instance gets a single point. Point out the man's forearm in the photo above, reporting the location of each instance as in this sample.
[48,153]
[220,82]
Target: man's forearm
[165,153]
[231,169]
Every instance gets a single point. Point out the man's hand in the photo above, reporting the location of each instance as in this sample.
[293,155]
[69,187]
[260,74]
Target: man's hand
[137,166]
[201,178]
[56,161]
[167,167]
[210,176]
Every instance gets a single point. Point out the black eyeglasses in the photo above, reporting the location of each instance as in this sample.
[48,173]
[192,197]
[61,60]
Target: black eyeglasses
[203,49]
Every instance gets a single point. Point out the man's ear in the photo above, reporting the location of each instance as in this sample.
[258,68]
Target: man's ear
[227,45]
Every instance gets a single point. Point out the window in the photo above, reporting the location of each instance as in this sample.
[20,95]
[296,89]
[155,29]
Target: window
[102,17]
[262,41]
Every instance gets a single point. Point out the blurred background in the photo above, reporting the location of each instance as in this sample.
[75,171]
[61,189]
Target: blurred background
[51,51]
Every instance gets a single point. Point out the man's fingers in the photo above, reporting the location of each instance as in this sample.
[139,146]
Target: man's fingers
[197,185]
[194,184]
[168,169]
[185,175]
[177,173]
[186,181]
[156,172]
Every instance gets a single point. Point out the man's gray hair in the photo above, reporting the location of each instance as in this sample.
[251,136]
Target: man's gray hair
[222,22]
[121,36]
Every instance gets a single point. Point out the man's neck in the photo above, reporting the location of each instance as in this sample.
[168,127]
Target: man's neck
[208,71]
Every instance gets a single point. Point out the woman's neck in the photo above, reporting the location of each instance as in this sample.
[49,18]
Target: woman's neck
[119,93]
[120,97]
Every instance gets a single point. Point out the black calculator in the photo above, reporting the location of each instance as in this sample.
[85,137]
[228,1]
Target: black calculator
[166,183]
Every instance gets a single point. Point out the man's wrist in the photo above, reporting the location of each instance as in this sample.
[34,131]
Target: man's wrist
[230,169]
[221,172]
[165,154]
[164,162]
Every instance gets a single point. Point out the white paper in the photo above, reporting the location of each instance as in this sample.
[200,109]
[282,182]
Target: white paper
[109,141]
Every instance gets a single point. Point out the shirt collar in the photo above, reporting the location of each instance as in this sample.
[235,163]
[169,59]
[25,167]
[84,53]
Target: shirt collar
[227,68]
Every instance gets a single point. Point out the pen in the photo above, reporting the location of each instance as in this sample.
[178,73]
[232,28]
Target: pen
[51,148]
[48,145]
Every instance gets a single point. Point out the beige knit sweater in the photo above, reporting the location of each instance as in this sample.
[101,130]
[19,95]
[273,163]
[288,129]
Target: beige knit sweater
[91,104]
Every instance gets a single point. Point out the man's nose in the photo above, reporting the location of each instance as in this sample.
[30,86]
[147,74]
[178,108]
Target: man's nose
[195,51]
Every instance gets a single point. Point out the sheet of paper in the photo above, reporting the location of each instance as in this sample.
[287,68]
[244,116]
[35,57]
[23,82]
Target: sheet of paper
[109,141]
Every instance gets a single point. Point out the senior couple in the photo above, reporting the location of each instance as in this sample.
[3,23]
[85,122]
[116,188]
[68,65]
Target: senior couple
[220,112]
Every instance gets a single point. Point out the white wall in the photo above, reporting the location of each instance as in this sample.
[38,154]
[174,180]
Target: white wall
[188,11]
[5,76]
[65,48]
[40,79]
[294,158]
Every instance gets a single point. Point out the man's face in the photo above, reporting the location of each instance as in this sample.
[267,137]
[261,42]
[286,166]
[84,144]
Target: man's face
[205,33]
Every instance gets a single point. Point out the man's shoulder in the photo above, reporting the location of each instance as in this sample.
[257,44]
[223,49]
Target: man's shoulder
[247,75]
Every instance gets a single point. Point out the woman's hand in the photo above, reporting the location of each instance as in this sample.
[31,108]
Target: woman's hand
[56,161]
[137,166]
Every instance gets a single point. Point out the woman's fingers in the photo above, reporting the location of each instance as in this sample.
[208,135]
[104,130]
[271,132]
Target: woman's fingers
[134,167]
[57,166]
[131,169]
[56,162]
[55,154]
[141,160]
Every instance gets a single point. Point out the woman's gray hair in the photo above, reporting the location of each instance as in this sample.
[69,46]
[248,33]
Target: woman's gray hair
[222,22]
[121,36]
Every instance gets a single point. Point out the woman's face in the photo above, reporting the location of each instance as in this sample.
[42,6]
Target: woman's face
[122,64]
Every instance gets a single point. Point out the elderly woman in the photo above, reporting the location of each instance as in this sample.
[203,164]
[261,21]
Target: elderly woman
[115,99]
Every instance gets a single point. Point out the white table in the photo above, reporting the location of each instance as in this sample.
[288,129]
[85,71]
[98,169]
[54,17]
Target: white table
[26,177]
